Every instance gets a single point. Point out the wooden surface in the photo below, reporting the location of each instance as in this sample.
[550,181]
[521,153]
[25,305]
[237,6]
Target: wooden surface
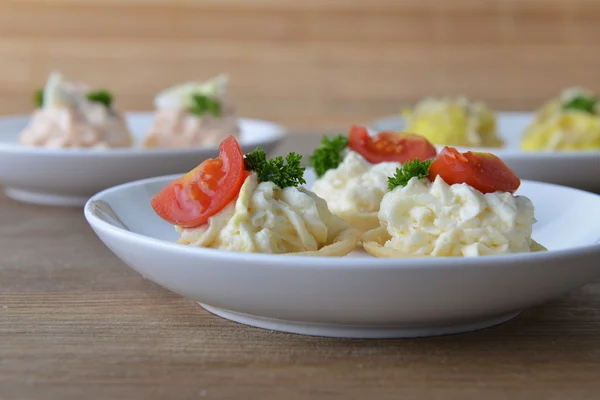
[76,323]
[319,64]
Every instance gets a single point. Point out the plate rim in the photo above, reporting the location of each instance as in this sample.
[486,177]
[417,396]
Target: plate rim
[279,132]
[337,262]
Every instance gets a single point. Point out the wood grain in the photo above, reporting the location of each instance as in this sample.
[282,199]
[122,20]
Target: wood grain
[309,64]
[76,323]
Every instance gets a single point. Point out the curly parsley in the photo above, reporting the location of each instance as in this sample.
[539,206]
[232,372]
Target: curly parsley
[202,105]
[409,169]
[282,173]
[329,154]
[582,103]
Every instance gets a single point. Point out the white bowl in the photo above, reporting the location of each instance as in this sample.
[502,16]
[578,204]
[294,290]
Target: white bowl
[68,177]
[357,295]
[575,169]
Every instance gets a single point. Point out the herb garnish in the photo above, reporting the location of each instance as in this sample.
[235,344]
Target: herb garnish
[582,103]
[329,154]
[100,96]
[283,174]
[38,98]
[408,170]
[202,104]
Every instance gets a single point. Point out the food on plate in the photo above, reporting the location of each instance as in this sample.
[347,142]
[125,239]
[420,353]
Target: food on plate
[247,203]
[453,121]
[72,115]
[570,122]
[458,204]
[193,114]
[353,171]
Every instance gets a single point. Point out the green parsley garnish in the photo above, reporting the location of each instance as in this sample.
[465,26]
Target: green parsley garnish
[409,170]
[282,174]
[202,104]
[582,103]
[97,96]
[38,98]
[329,154]
[100,96]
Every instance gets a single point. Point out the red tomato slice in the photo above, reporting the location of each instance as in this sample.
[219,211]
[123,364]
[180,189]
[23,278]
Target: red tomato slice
[390,146]
[204,191]
[483,171]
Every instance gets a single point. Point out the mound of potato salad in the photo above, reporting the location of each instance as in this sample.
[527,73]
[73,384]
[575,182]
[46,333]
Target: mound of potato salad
[193,114]
[453,121]
[247,203]
[71,115]
[353,170]
[458,204]
[570,122]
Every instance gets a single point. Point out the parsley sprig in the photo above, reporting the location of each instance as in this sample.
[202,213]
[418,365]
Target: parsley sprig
[100,96]
[202,105]
[282,173]
[582,103]
[329,154]
[409,170]
[96,96]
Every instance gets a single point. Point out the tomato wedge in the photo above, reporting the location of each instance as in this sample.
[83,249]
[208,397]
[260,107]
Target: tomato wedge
[483,171]
[191,200]
[390,146]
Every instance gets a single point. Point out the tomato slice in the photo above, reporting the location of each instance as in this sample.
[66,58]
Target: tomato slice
[191,200]
[390,146]
[483,171]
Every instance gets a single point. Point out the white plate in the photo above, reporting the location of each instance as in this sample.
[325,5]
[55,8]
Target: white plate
[358,295]
[70,177]
[575,169]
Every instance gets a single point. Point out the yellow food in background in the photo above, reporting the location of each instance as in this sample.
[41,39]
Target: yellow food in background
[568,123]
[570,130]
[555,106]
[456,122]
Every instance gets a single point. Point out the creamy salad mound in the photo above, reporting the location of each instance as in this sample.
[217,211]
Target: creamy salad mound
[193,114]
[456,205]
[71,115]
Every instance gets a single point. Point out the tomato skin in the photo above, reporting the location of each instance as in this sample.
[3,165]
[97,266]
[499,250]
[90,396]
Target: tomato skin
[192,199]
[389,146]
[483,171]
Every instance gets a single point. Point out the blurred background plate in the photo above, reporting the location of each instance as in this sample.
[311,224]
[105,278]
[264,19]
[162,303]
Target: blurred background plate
[575,169]
[69,177]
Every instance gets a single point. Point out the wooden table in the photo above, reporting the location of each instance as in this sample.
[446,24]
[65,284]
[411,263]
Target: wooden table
[76,323]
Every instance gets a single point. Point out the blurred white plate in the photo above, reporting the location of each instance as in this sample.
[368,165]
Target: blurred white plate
[575,169]
[358,295]
[70,177]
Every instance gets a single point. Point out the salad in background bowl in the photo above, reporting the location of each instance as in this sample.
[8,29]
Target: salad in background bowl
[76,143]
[570,122]
[532,142]
[193,114]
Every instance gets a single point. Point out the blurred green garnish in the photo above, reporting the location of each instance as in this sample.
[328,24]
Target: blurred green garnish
[97,96]
[100,96]
[38,98]
[582,103]
[202,105]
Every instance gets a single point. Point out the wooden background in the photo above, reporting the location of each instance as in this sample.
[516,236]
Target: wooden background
[305,63]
